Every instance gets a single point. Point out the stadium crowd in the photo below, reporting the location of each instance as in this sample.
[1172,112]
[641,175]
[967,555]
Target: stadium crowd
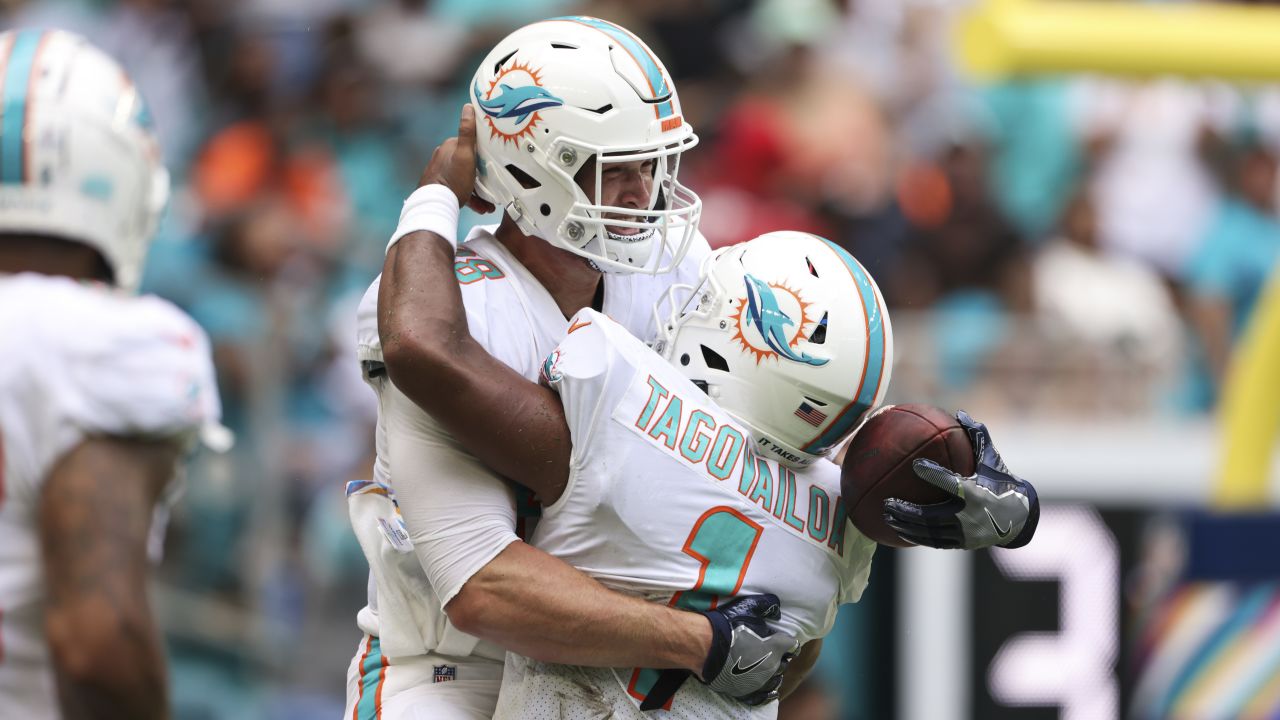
[1114,234]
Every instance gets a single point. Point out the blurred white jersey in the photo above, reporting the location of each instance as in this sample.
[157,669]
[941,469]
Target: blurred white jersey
[517,321]
[80,360]
[667,501]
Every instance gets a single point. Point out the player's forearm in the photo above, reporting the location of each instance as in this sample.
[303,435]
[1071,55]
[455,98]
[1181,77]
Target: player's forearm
[538,606]
[111,673]
[420,311]
[95,517]
[1212,320]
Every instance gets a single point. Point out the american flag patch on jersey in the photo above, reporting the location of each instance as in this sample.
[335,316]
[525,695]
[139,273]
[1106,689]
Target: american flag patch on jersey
[810,414]
[445,673]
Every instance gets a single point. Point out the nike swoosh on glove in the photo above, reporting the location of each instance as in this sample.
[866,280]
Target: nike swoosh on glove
[747,657]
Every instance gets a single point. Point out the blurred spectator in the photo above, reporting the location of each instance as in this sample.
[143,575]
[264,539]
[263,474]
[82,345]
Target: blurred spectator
[961,259]
[1109,319]
[1109,302]
[958,241]
[801,141]
[408,45]
[1036,159]
[1153,192]
[1233,260]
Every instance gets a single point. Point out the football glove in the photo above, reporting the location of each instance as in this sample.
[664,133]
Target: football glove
[990,507]
[747,658]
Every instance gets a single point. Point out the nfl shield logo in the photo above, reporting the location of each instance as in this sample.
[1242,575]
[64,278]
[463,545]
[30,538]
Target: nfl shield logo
[445,673]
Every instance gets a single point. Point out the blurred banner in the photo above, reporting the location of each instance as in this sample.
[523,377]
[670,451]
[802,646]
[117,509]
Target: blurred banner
[1115,613]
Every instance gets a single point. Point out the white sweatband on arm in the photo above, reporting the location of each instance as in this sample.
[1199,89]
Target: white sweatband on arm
[433,208]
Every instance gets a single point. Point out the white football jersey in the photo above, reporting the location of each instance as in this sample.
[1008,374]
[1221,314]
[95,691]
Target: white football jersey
[79,360]
[518,322]
[667,500]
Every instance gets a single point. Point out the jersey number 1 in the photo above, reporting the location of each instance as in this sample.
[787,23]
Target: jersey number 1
[722,541]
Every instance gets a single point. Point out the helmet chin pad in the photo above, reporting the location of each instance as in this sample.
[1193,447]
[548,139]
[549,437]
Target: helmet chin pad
[629,249]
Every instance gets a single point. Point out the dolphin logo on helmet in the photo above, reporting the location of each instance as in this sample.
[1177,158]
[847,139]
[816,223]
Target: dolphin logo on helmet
[516,103]
[771,322]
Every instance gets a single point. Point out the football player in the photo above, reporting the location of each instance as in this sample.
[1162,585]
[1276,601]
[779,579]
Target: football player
[693,485]
[580,137]
[101,391]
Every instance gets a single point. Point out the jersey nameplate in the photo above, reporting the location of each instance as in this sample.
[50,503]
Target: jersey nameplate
[722,453]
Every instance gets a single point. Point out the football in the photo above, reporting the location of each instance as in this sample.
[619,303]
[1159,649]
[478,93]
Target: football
[878,462]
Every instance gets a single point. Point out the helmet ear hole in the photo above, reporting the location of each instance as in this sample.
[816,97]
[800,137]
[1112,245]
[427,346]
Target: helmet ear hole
[498,65]
[525,179]
[819,334]
[714,360]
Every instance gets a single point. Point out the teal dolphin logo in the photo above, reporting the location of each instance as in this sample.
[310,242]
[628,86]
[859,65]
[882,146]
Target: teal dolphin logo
[518,102]
[770,321]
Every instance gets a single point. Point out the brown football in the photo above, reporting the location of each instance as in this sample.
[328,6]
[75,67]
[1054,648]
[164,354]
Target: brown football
[877,464]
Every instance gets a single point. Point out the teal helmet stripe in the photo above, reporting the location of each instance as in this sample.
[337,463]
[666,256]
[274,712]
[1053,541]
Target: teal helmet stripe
[657,79]
[17,78]
[869,385]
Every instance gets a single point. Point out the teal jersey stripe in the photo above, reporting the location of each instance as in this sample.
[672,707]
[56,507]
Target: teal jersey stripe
[844,422]
[1250,608]
[656,77]
[17,77]
[370,676]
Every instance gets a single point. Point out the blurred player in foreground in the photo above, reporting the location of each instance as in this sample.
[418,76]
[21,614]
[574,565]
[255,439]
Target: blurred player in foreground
[694,484]
[580,143]
[100,391]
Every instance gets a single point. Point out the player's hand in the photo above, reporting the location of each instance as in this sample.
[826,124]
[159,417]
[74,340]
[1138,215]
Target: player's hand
[453,164]
[990,507]
[747,657]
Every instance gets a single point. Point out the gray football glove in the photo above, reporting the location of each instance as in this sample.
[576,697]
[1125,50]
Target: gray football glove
[990,507]
[754,655]
[747,658]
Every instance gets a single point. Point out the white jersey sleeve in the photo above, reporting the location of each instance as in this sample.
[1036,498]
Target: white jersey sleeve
[83,360]
[578,358]
[143,373]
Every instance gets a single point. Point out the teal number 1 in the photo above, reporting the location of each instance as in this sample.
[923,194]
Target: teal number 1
[722,541]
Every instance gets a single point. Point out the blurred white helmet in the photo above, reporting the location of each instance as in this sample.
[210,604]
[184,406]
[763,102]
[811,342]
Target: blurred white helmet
[556,95]
[78,156]
[788,333]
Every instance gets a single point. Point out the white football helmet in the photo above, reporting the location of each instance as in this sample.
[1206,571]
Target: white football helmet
[558,94]
[789,334]
[78,156]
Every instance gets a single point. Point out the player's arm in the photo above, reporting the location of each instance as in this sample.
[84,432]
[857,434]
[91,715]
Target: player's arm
[799,668]
[523,600]
[95,513]
[1210,315]
[515,427]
